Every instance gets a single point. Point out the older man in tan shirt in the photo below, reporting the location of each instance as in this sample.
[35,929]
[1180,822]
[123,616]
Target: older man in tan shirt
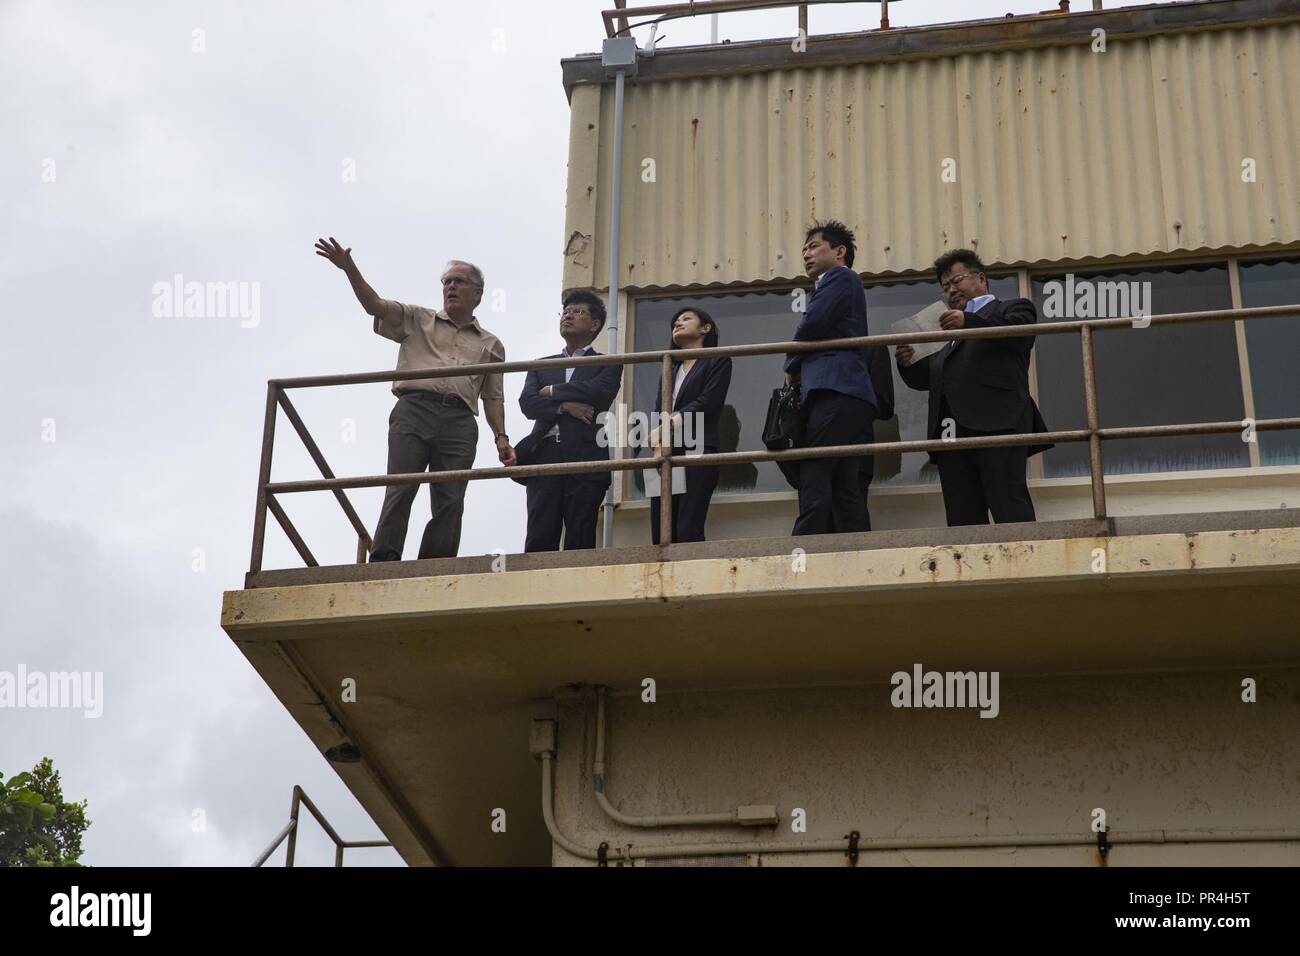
[432,426]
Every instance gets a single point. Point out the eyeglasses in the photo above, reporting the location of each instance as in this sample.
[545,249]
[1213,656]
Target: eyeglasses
[458,280]
[946,286]
[576,313]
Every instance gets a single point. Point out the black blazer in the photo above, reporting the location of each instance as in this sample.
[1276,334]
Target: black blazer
[704,390]
[592,385]
[986,381]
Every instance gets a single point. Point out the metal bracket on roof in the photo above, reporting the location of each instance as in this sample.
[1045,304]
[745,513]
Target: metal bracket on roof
[852,851]
[654,38]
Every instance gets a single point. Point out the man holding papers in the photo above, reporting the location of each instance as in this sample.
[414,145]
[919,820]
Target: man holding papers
[978,387]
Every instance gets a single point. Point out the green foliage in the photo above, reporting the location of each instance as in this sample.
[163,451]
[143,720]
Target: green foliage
[37,827]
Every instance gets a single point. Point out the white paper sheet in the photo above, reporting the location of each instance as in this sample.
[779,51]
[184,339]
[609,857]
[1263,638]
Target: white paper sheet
[653,485]
[927,320]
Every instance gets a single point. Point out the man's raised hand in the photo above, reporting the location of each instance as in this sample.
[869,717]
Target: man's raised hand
[334,252]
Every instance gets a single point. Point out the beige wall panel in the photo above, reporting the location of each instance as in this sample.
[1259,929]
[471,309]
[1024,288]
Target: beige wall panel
[1061,153]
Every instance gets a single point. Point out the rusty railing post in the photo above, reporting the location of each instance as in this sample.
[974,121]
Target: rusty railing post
[293,834]
[263,478]
[666,467]
[1095,470]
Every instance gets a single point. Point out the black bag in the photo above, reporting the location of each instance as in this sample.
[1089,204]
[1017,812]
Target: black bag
[525,454]
[881,370]
[783,428]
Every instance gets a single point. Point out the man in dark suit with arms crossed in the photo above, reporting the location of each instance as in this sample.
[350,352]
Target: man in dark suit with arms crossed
[564,405]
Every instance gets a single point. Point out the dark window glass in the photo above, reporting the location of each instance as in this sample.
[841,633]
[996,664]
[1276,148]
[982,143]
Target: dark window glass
[743,319]
[1273,346]
[1159,375]
[750,318]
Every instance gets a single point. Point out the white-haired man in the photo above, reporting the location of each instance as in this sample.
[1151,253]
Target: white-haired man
[433,424]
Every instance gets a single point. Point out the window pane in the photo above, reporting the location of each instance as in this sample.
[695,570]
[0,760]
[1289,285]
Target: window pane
[1153,376]
[754,317]
[1273,346]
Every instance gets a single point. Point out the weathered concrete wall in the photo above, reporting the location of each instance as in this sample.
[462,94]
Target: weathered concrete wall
[1155,751]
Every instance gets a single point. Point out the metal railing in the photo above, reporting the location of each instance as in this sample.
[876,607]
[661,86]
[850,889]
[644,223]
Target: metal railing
[290,831]
[1093,433]
[616,19]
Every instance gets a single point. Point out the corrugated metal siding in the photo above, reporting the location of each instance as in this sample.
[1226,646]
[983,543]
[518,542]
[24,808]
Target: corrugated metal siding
[1061,153]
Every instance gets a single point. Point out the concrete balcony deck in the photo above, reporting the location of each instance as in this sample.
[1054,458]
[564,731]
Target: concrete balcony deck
[452,659]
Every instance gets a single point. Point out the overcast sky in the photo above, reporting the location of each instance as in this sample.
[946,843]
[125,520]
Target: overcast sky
[129,439]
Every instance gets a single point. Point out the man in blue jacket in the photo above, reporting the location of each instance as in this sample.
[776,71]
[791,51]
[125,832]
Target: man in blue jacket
[835,390]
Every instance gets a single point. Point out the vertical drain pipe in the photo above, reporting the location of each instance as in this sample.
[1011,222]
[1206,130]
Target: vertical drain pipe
[619,58]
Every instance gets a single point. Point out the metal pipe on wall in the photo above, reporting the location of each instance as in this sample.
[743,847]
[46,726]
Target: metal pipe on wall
[615,224]
[598,777]
[1004,842]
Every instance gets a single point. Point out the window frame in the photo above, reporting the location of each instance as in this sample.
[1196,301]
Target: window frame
[1026,276]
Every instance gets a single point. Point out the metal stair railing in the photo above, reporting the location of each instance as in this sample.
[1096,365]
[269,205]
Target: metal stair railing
[290,831]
